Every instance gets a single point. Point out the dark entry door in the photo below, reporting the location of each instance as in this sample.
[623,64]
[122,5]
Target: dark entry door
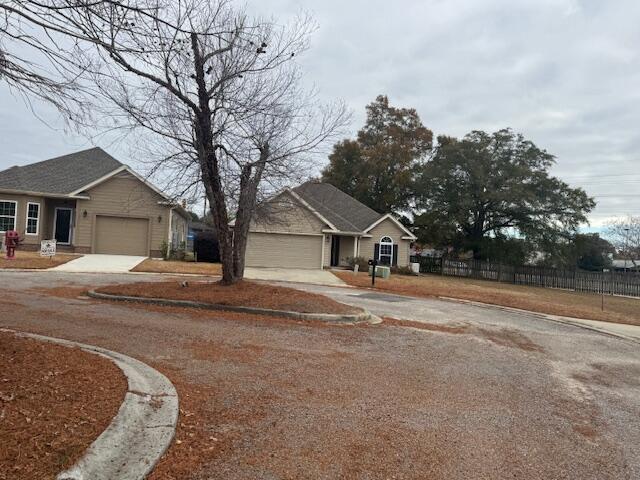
[335,250]
[63,225]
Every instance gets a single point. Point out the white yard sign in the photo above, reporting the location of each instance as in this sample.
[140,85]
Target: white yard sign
[47,248]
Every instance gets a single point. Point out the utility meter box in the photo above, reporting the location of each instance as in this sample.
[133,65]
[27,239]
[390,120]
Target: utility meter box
[381,271]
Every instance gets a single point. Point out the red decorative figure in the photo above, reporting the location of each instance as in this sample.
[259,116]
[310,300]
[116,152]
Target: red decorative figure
[11,240]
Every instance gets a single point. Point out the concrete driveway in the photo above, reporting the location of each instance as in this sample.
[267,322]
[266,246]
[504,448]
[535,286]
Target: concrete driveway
[462,392]
[96,263]
[297,275]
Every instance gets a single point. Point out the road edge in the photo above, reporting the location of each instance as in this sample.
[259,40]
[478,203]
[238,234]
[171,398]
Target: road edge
[573,321]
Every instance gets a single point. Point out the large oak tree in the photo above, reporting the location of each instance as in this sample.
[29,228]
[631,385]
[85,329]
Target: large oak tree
[379,167]
[487,186]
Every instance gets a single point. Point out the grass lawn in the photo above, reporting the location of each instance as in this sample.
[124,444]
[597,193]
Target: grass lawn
[151,265]
[543,300]
[244,294]
[33,260]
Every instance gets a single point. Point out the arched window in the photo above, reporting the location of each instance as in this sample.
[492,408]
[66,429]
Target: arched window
[385,255]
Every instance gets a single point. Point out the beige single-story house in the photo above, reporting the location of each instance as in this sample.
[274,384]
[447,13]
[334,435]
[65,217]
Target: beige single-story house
[90,203]
[316,225]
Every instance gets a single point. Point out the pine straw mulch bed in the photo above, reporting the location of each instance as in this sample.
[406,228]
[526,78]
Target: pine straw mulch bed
[33,260]
[543,300]
[241,294]
[54,402]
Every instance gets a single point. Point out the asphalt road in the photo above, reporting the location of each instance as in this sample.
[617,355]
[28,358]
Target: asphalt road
[460,392]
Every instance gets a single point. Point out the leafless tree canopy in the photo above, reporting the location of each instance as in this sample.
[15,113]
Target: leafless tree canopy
[213,93]
[624,234]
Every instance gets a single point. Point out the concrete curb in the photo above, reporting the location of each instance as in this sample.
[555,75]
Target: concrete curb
[575,322]
[365,316]
[142,430]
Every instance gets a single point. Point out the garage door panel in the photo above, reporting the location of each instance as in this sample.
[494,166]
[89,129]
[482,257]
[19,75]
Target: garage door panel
[121,236]
[287,251]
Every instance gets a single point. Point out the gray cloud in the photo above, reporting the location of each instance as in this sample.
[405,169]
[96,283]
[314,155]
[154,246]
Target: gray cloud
[565,73]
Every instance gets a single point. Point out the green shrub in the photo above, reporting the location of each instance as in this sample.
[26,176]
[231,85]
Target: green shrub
[363,263]
[402,270]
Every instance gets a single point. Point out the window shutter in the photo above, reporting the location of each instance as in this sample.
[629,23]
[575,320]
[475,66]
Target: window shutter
[376,251]
[395,255]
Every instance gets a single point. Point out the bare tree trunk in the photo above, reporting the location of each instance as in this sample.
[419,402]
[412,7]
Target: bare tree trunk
[246,207]
[210,169]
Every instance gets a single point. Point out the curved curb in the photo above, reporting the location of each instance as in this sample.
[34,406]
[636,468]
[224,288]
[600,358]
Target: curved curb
[141,431]
[365,316]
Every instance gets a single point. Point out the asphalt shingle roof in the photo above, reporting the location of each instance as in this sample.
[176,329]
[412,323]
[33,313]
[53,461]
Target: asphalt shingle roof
[344,211]
[60,175]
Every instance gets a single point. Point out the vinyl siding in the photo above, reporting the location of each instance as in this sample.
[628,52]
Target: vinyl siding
[124,196]
[287,215]
[386,228]
[346,250]
[21,217]
[326,262]
[179,227]
[283,250]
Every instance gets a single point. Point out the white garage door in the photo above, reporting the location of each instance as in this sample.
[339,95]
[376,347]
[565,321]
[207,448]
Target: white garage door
[122,236]
[286,251]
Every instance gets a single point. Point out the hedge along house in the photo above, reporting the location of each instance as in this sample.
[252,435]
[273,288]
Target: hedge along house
[90,203]
[316,225]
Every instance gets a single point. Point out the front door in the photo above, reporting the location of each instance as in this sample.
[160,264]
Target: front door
[62,228]
[335,250]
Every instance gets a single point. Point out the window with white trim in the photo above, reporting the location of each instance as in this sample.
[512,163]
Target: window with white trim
[33,217]
[385,253]
[8,215]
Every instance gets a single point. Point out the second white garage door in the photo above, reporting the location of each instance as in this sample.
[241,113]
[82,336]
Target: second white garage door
[122,236]
[286,251]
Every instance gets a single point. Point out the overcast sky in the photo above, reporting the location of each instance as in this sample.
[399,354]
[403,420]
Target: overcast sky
[565,73]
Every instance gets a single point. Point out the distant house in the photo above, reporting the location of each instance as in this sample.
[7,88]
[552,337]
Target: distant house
[625,265]
[90,203]
[316,225]
[418,250]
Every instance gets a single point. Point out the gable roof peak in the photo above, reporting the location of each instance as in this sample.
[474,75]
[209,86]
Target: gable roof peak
[345,212]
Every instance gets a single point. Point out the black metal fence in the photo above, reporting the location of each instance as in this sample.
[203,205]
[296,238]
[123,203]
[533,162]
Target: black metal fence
[611,283]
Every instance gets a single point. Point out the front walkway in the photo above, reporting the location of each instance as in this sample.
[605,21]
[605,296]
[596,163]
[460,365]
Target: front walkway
[96,263]
[298,275]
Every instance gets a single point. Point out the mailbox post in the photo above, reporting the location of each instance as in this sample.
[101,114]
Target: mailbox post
[373,263]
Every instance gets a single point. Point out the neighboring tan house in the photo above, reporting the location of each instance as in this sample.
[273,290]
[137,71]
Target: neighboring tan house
[90,203]
[316,225]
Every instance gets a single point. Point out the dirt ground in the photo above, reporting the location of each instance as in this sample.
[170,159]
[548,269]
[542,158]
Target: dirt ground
[247,294]
[152,265]
[492,396]
[543,300]
[54,401]
[33,260]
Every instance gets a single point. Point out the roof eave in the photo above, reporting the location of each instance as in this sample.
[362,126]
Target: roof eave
[10,191]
